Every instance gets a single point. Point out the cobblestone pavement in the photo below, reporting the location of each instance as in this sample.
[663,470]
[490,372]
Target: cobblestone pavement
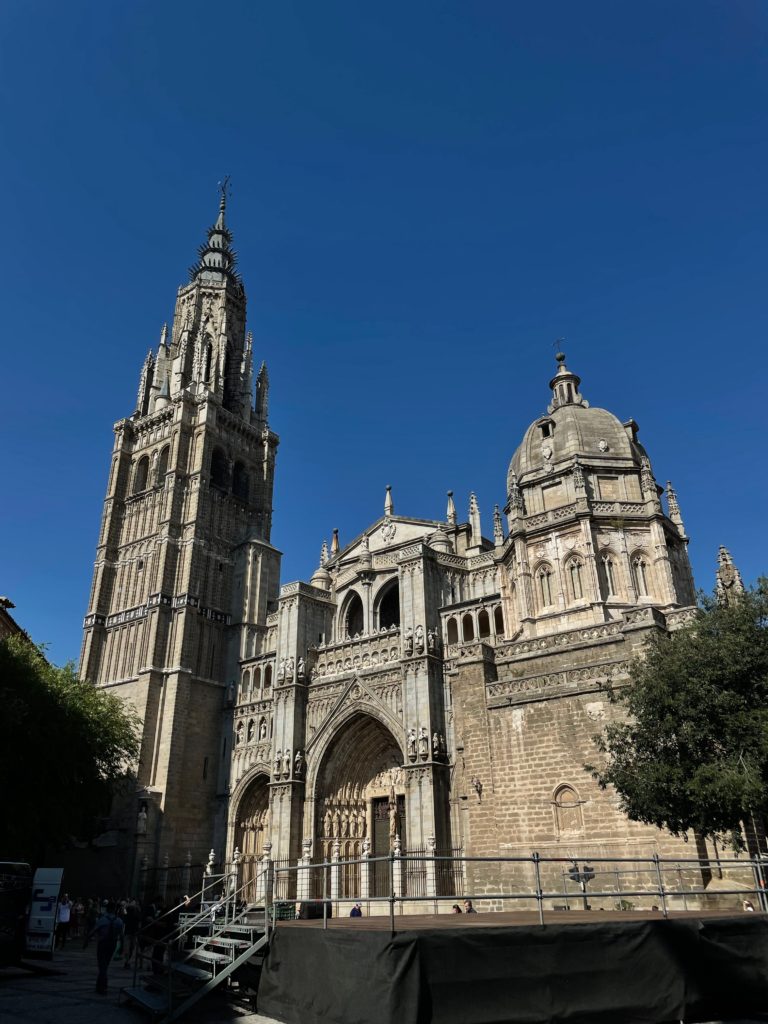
[62,991]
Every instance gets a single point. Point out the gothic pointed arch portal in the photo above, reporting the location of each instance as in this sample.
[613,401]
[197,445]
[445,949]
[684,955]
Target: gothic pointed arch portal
[360,800]
[252,827]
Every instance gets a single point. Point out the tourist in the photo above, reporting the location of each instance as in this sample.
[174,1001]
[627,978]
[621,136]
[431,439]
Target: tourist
[468,908]
[63,917]
[356,911]
[132,920]
[455,909]
[109,932]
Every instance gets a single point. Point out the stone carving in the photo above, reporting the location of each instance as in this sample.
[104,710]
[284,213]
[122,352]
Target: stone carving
[602,444]
[419,639]
[287,763]
[231,693]
[408,641]
[263,729]
[141,821]
[412,744]
[435,746]
[298,764]
[423,743]
[432,641]
[301,669]
[289,669]
[388,530]
[281,669]
[366,847]
[397,846]
[251,731]
[278,763]
[578,477]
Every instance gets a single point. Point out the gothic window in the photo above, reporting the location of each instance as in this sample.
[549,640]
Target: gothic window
[162,465]
[452,631]
[468,628]
[267,678]
[141,475]
[483,624]
[498,621]
[609,574]
[544,581]
[640,574]
[246,685]
[568,814]
[207,362]
[389,606]
[575,572]
[219,471]
[353,617]
[239,734]
[251,731]
[240,482]
[256,680]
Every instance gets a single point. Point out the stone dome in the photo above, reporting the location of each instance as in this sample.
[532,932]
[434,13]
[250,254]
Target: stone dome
[571,428]
[440,541]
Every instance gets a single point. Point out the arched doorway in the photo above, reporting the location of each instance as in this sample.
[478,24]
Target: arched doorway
[252,830]
[360,795]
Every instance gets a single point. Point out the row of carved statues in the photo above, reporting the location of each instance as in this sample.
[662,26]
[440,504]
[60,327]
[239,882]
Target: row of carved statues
[413,640]
[283,764]
[419,745]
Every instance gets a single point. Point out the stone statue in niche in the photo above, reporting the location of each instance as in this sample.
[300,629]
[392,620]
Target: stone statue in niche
[412,744]
[287,763]
[408,641]
[278,763]
[301,669]
[328,824]
[443,747]
[281,669]
[251,731]
[393,818]
[289,669]
[345,824]
[432,641]
[435,746]
[423,744]
[263,729]
[298,764]
[231,693]
[141,821]
[366,847]
[419,639]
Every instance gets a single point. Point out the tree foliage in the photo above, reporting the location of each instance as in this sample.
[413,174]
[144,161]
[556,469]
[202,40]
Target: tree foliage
[63,742]
[692,752]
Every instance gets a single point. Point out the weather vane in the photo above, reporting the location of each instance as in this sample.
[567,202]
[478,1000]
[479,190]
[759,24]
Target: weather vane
[224,188]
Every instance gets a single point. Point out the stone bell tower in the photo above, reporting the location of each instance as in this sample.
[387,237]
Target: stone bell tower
[184,568]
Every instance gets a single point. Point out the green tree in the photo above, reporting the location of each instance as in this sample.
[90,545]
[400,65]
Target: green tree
[691,752]
[63,744]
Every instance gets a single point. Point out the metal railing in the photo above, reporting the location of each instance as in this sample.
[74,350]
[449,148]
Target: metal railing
[545,884]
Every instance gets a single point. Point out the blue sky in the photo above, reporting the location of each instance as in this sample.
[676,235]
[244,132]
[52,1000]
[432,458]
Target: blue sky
[425,195]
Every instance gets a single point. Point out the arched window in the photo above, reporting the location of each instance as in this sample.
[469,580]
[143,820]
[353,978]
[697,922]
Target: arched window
[544,581]
[498,621]
[640,574]
[389,606]
[245,686]
[208,362]
[251,731]
[141,475]
[467,628]
[568,816]
[267,678]
[219,469]
[483,624]
[353,617]
[609,574]
[452,631]
[240,482]
[256,681]
[575,571]
[162,465]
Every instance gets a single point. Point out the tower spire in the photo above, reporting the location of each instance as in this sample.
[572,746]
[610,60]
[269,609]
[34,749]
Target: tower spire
[450,514]
[474,520]
[389,506]
[728,582]
[216,257]
[674,509]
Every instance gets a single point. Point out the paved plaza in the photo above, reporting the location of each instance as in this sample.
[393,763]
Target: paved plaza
[63,992]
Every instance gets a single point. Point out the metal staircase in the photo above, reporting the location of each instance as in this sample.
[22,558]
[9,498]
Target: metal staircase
[222,944]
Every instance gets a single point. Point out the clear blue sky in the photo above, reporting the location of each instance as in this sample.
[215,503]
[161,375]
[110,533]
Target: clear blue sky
[425,195]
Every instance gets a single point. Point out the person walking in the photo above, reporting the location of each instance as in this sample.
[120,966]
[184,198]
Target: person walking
[63,918]
[132,919]
[109,932]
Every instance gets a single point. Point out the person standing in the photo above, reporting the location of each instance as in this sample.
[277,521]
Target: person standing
[468,908]
[63,917]
[132,919]
[109,932]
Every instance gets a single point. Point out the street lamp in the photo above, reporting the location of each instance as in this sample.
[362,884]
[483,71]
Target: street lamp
[582,875]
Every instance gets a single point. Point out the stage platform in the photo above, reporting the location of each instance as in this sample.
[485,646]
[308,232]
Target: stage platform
[581,967]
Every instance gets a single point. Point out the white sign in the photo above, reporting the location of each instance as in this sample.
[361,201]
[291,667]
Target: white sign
[41,926]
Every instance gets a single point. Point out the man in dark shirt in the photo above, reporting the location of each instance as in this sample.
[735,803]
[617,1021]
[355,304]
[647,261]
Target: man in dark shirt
[108,931]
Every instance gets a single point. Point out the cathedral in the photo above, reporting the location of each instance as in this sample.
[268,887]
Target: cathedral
[429,689]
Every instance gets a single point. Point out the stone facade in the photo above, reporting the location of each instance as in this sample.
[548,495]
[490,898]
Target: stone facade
[429,688]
